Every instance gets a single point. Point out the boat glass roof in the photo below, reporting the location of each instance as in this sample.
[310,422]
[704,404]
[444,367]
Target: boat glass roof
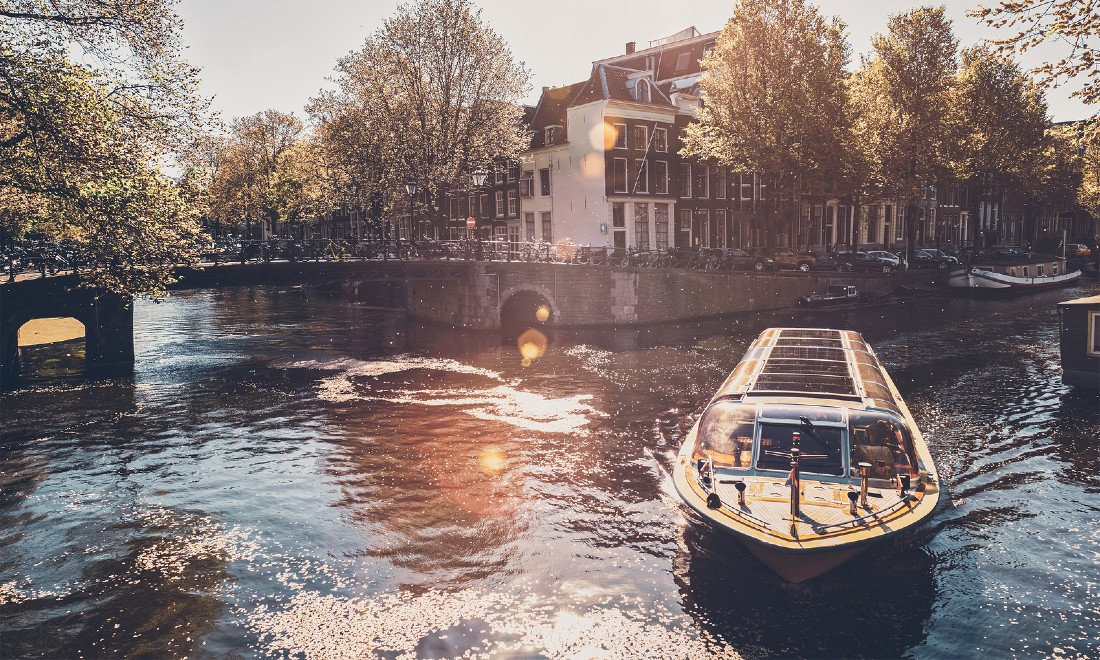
[811,361]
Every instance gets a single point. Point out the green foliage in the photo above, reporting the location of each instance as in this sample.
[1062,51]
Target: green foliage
[81,145]
[431,95]
[1073,24]
[1000,123]
[774,97]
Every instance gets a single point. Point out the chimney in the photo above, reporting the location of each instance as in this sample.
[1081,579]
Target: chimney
[629,47]
[545,89]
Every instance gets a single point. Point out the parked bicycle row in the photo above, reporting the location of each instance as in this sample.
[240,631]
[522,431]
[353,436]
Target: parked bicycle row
[48,258]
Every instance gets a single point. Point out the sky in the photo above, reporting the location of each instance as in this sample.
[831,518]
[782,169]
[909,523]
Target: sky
[260,54]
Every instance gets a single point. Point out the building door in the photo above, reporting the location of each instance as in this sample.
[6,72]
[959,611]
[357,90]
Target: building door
[618,226]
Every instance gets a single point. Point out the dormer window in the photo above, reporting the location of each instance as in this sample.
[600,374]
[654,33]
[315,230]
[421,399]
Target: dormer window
[682,61]
[651,63]
[642,92]
[552,134]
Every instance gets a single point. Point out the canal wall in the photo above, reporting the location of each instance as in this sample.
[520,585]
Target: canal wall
[581,296]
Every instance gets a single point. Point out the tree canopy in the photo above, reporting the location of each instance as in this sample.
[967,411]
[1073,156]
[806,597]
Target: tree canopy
[434,94]
[81,145]
[774,98]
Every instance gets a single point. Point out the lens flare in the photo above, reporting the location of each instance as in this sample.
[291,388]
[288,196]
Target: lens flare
[492,461]
[542,313]
[532,345]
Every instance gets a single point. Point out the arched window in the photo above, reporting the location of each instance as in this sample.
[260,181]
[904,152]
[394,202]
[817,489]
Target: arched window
[642,92]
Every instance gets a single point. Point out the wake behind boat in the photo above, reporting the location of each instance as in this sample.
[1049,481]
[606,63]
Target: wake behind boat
[807,454]
[1013,272]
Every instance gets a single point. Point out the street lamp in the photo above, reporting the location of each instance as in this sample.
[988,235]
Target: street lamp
[410,187]
[479,175]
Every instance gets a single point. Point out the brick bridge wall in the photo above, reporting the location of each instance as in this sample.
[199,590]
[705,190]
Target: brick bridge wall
[588,296]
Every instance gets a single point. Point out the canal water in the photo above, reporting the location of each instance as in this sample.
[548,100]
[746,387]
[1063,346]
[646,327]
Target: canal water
[290,473]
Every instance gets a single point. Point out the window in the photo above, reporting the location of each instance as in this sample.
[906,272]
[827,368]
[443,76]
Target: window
[641,91]
[547,233]
[527,183]
[1027,273]
[776,439]
[513,172]
[544,181]
[720,228]
[650,63]
[640,136]
[552,133]
[660,140]
[619,175]
[456,212]
[1040,270]
[1094,334]
[618,225]
[620,135]
[704,228]
[720,183]
[500,203]
[746,187]
[702,181]
[641,183]
[685,179]
[471,205]
[660,177]
[529,220]
[660,225]
[498,175]
[682,62]
[483,206]
[513,204]
[641,226]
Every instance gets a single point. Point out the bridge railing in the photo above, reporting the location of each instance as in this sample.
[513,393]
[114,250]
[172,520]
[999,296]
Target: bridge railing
[47,259]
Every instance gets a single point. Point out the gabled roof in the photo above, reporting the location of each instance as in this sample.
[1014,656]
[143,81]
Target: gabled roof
[609,82]
[550,111]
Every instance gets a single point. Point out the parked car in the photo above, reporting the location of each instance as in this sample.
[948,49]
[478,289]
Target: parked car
[788,259]
[1077,250]
[886,257]
[828,261]
[1010,252]
[931,258]
[865,261]
[735,259]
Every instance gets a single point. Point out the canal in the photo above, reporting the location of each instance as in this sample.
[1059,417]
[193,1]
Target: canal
[289,472]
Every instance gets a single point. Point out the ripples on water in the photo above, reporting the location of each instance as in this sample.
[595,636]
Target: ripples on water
[288,472]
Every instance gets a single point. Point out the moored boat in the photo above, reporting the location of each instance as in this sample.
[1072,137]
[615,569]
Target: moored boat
[1080,342]
[1013,272]
[836,294]
[807,454]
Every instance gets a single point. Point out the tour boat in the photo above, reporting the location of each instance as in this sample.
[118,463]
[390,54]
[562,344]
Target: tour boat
[807,454]
[1013,272]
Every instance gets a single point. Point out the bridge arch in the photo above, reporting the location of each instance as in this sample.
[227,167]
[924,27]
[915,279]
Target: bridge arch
[520,309]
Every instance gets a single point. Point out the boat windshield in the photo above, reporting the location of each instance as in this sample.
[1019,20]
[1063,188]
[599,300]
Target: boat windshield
[725,434]
[821,448]
[883,441]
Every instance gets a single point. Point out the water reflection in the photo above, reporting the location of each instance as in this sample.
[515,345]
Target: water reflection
[293,471]
[874,606]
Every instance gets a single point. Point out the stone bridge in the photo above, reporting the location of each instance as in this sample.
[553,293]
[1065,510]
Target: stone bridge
[467,294]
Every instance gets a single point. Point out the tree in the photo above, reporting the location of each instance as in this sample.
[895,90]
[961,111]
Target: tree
[774,99]
[81,144]
[1032,23]
[439,95]
[300,188]
[903,93]
[256,143]
[1001,127]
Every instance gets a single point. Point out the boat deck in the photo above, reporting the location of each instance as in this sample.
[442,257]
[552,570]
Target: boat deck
[823,511]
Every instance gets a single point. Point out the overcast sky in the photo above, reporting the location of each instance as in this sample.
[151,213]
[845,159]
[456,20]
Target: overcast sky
[259,54]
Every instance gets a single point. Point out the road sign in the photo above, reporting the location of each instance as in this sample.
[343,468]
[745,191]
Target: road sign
[471,222]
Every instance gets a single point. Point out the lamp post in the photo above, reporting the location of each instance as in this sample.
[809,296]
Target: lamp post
[410,187]
[479,175]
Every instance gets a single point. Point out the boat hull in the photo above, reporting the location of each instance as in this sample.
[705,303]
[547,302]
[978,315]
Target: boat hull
[989,281]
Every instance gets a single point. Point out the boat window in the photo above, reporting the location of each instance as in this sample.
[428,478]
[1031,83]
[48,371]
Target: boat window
[1054,269]
[1039,271]
[1012,272]
[1026,273]
[821,453]
[793,413]
[725,434]
[884,442]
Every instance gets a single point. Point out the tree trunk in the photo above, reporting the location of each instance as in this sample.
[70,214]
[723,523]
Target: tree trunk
[911,212]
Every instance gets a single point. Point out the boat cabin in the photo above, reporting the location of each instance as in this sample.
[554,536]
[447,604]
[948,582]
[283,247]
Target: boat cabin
[1023,265]
[1080,342]
[827,386]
